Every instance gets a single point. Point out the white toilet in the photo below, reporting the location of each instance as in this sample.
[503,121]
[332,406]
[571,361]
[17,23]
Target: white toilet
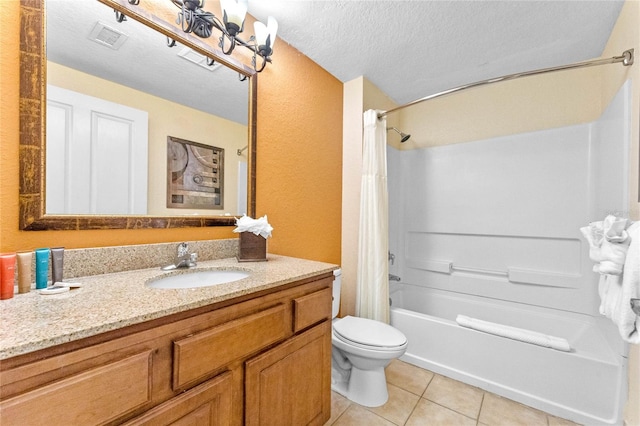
[361,349]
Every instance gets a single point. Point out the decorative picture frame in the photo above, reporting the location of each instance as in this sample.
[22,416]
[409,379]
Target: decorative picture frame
[195,175]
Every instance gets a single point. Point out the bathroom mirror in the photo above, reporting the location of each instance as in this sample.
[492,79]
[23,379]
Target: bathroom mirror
[34,214]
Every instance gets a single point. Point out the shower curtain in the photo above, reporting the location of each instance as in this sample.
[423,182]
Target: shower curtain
[372,299]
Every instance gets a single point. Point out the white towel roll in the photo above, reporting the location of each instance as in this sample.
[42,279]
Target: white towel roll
[515,333]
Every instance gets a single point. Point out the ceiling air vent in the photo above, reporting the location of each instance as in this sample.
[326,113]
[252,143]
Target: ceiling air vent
[198,59]
[107,36]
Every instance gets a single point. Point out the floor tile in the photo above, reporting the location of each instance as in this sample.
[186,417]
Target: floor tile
[444,402]
[497,411]
[356,415]
[399,406]
[458,396]
[339,405]
[408,377]
[429,413]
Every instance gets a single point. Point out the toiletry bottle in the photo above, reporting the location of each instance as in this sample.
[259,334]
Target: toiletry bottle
[24,271]
[7,276]
[42,267]
[57,264]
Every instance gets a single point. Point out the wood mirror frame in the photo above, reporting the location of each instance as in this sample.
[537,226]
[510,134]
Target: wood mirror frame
[33,66]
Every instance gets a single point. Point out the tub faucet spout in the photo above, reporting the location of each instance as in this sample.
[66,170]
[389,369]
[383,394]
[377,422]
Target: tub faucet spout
[183,259]
[394,278]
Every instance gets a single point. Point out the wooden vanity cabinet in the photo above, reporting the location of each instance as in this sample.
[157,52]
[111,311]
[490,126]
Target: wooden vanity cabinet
[258,359]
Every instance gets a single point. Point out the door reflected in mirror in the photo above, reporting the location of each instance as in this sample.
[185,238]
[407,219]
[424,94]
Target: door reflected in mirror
[116,91]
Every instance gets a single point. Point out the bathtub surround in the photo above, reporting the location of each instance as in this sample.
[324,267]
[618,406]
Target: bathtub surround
[373,248]
[490,229]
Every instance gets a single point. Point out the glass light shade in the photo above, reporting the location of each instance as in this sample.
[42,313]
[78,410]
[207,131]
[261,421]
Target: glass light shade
[264,32]
[234,11]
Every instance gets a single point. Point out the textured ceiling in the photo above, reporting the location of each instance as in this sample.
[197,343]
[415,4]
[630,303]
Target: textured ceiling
[144,61]
[411,49]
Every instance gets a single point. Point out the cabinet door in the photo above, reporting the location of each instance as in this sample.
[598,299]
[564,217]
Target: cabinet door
[291,383]
[206,405]
[97,396]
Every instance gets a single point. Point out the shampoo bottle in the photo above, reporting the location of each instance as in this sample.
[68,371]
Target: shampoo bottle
[57,264]
[7,275]
[24,272]
[42,267]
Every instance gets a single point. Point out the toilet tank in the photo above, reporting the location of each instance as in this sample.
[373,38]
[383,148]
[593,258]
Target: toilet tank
[337,283]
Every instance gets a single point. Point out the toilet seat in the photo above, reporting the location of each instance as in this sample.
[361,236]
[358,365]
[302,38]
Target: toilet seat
[366,333]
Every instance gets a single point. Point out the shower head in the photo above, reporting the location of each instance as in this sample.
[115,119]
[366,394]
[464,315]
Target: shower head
[403,136]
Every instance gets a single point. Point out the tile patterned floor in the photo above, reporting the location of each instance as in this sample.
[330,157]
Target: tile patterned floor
[419,397]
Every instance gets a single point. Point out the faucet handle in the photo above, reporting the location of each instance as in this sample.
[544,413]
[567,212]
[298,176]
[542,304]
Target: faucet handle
[193,260]
[183,249]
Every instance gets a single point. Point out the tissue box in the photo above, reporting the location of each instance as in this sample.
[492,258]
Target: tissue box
[251,248]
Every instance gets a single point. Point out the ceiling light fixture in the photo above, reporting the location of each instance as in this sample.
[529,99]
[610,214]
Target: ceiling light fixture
[194,19]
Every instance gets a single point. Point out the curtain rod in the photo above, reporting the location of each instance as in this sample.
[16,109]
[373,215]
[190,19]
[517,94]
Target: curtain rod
[626,58]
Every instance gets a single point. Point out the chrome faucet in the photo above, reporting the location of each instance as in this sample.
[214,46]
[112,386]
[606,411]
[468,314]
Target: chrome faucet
[394,278]
[183,259]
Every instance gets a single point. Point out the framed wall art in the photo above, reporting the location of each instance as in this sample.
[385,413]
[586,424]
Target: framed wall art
[195,175]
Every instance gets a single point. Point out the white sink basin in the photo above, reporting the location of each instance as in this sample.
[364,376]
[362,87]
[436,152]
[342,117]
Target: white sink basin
[193,279]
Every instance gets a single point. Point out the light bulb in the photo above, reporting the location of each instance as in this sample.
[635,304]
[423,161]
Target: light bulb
[234,13]
[266,35]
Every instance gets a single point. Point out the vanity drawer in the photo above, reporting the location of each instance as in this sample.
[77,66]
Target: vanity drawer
[311,309]
[96,396]
[197,356]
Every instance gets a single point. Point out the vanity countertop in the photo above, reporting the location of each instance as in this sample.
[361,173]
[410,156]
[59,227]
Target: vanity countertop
[32,321]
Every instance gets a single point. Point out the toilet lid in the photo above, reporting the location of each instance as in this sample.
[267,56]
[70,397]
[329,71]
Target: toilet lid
[368,332]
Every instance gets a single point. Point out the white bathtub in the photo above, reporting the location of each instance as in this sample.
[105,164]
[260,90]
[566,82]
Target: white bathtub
[587,385]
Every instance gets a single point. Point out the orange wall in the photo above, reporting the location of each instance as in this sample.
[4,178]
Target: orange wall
[298,166]
[300,157]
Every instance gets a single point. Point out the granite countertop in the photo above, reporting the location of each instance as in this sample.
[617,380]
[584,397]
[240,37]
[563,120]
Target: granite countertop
[32,321]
